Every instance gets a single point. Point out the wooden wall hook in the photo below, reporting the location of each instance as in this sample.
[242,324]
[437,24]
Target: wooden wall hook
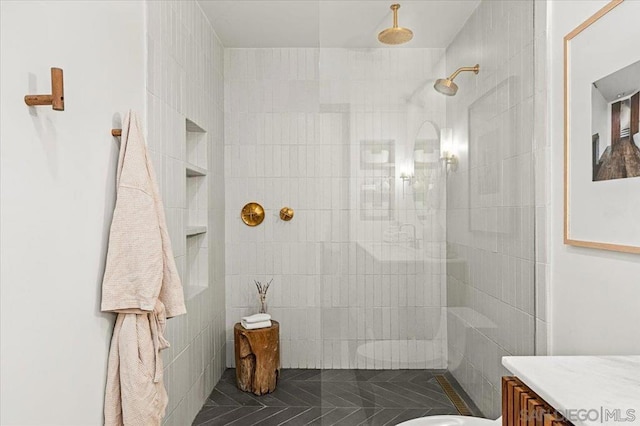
[56,98]
[116,132]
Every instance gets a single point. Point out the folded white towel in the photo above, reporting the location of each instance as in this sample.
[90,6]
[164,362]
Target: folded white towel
[256,318]
[255,325]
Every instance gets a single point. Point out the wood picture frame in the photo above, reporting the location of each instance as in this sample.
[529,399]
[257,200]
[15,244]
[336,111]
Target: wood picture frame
[575,170]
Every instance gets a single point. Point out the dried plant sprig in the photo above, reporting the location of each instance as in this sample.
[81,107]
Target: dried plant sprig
[263,288]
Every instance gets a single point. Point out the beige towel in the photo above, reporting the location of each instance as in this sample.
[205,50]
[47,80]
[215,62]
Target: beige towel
[135,394]
[140,265]
[142,285]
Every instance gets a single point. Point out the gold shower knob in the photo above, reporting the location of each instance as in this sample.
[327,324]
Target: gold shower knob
[286,213]
[252,214]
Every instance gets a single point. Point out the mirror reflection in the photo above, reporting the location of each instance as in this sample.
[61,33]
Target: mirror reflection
[428,172]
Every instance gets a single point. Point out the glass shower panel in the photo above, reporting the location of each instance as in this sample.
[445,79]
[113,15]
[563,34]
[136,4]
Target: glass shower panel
[383,304]
[490,199]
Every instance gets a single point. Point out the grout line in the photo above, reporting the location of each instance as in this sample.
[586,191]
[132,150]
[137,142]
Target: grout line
[298,415]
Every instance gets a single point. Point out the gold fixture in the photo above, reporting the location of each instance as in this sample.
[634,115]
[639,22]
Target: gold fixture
[448,157]
[450,161]
[395,34]
[252,214]
[406,177]
[286,214]
[453,396]
[56,98]
[447,87]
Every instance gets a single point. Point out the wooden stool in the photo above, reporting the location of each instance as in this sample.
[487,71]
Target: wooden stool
[257,358]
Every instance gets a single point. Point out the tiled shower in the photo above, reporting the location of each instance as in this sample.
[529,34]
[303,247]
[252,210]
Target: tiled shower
[303,128]
[394,259]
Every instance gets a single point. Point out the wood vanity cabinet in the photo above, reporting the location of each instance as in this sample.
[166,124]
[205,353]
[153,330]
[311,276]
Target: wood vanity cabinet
[522,407]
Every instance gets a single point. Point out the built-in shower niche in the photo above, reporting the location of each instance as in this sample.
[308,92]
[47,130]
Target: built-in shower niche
[196,275]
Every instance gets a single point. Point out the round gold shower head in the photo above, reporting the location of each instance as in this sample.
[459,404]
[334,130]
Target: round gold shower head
[446,86]
[395,34]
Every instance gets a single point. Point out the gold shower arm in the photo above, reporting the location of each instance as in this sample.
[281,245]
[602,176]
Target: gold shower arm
[475,69]
[395,8]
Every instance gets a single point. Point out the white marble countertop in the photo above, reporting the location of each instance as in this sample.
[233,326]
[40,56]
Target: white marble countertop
[591,384]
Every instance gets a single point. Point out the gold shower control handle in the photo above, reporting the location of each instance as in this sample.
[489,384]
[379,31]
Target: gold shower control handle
[252,214]
[286,213]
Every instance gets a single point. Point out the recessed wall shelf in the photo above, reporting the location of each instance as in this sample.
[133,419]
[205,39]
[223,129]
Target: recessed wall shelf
[197,260]
[195,171]
[195,230]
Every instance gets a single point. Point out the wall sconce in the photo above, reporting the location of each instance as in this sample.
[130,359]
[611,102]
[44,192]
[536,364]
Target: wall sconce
[406,177]
[447,154]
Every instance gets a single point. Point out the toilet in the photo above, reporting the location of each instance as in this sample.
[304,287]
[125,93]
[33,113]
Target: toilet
[451,421]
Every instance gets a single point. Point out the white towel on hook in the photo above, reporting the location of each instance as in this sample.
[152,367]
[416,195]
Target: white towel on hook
[256,318]
[256,325]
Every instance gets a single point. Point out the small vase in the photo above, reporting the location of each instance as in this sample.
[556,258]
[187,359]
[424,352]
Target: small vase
[263,303]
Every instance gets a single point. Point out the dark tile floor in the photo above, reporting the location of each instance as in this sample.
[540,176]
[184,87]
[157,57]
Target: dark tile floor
[329,397]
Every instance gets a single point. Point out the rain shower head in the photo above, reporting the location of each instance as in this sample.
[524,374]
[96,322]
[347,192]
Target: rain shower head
[447,87]
[395,34]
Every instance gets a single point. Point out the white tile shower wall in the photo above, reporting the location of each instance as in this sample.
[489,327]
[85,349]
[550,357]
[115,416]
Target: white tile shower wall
[185,81]
[491,200]
[294,121]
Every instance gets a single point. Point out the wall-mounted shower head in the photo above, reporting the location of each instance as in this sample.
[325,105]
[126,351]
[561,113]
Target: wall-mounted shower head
[395,34]
[447,87]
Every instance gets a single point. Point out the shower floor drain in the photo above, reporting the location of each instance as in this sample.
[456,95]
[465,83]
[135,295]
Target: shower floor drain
[451,393]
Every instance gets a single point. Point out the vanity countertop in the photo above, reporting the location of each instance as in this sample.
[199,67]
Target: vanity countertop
[572,383]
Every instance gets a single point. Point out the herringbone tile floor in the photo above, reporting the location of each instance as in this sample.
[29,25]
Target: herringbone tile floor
[329,397]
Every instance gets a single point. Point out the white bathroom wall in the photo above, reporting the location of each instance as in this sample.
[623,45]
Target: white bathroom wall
[184,82]
[57,188]
[594,293]
[295,122]
[491,199]
[58,191]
